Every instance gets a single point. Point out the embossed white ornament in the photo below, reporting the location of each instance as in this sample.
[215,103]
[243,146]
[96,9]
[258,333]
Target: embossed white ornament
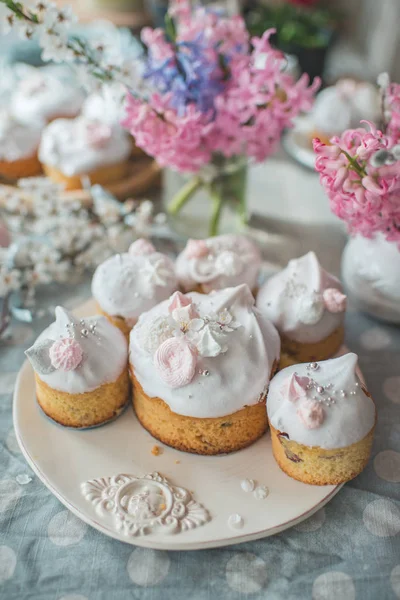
[144,505]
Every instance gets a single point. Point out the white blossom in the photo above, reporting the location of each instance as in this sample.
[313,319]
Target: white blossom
[7,19]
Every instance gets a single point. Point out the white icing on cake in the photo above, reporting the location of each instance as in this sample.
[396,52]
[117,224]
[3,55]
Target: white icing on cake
[371,272]
[349,414]
[126,285]
[107,105]
[41,97]
[222,384]
[78,146]
[104,347]
[293,300]
[230,260]
[16,139]
[344,105]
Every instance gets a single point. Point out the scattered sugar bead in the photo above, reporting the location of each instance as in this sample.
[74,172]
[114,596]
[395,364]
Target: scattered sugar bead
[343,393]
[247,485]
[320,389]
[235,521]
[23,479]
[261,492]
[84,332]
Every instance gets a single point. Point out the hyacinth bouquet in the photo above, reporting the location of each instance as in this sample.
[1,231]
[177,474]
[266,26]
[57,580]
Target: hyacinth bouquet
[218,100]
[360,171]
[210,99]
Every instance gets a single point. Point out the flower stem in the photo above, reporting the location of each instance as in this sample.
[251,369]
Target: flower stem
[184,194]
[216,212]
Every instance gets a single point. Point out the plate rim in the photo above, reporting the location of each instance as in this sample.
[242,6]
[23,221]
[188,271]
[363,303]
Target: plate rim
[143,541]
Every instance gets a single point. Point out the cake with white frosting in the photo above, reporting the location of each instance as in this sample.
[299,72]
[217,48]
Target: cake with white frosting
[72,149]
[42,97]
[18,147]
[322,420]
[343,106]
[80,370]
[200,366]
[126,285]
[218,262]
[307,306]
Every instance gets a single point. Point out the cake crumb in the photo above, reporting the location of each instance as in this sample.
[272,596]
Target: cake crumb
[156,450]
[177,462]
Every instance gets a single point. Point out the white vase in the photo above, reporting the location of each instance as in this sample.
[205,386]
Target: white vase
[371,276]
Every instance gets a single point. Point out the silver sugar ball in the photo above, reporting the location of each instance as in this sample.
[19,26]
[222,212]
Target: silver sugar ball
[84,332]
[320,389]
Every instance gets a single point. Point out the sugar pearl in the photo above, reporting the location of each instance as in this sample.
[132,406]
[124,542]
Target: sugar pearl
[247,485]
[320,389]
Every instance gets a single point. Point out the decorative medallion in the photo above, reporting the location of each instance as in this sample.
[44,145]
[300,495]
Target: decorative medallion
[144,505]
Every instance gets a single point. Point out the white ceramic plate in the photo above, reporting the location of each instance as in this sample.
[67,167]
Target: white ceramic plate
[298,144]
[64,459]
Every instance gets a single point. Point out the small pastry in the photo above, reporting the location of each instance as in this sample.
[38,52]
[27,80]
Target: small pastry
[42,97]
[307,306]
[343,106]
[128,284]
[322,421]
[217,263]
[18,148]
[200,366]
[107,106]
[72,149]
[80,370]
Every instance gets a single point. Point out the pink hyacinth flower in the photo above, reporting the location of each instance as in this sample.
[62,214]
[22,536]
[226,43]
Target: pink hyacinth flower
[311,414]
[141,247]
[175,361]
[334,300]
[196,249]
[66,354]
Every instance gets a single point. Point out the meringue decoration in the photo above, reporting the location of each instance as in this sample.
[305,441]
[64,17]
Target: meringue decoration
[228,350]
[98,134]
[311,414]
[297,387]
[299,299]
[141,247]
[219,262]
[179,300]
[334,300]
[175,361]
[78,355]
[334,412]
[66,354]
[311,309]
[196,249]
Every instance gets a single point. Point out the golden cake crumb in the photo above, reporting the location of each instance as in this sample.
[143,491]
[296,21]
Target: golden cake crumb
[156,450]
[177,462]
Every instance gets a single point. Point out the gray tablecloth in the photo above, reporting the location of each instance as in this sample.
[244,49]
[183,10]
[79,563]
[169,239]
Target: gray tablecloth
[349,549]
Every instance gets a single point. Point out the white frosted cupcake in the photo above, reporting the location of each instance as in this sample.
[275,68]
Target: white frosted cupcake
[217,263]
[307,306]
[322,421]
[126,285]
[18,147]
[343,106]
[200,367]
[74,148]
[80,370]
[42,97]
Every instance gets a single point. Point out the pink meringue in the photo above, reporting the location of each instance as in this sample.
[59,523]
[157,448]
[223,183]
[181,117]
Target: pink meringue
[66,354]
[98,134]
[196,249]
[334,300]
[178,301]
[297,387]
[175,361]
[141,247]
[311,414]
